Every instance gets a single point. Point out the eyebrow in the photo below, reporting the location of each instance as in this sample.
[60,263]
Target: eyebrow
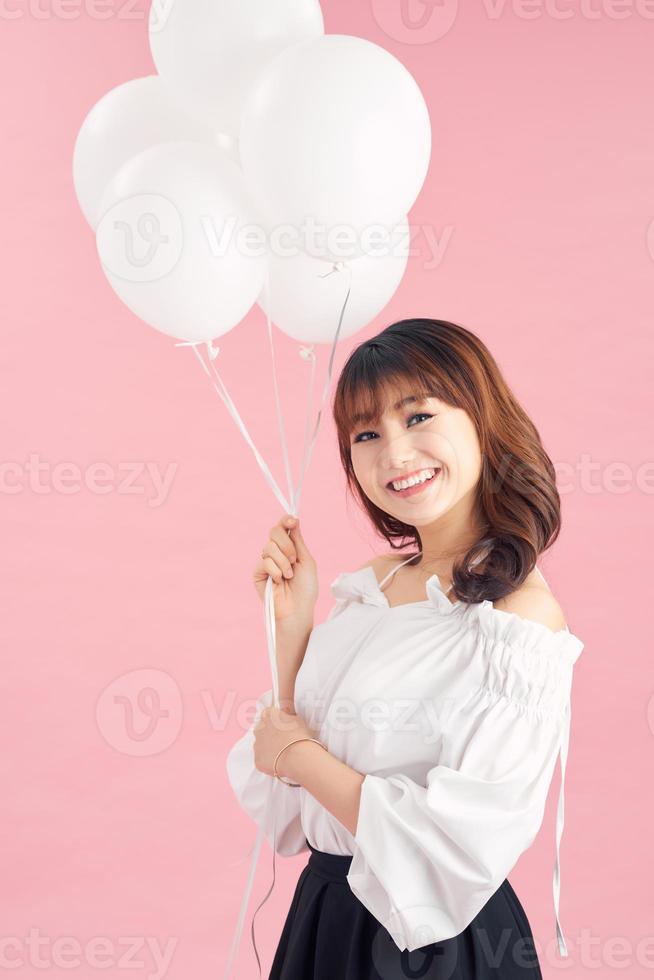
[363,417]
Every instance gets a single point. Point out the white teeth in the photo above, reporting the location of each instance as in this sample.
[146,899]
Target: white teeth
[413,480]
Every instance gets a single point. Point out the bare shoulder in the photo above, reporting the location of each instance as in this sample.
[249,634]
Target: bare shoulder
[382,563]
[534,600]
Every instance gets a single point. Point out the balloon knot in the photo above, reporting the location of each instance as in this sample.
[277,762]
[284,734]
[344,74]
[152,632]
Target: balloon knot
[339,266]
[307,353]
[211,350]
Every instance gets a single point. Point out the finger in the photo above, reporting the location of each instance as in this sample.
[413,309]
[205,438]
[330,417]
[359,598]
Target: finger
[275,552]
[272,569]
[280,536]
[285,522]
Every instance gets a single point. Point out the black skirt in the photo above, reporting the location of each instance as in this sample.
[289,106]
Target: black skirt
[330,935]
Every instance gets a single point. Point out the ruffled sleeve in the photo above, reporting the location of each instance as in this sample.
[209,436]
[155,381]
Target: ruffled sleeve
[428,857]
[263,797]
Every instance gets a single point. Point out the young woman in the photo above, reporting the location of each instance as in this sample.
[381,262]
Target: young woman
[420,723]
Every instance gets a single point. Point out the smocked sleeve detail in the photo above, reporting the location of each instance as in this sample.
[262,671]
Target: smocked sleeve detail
[428,857]
[263,797]
[525,661]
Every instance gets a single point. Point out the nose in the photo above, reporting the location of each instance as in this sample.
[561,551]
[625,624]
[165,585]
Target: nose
[399,458]
[399,451]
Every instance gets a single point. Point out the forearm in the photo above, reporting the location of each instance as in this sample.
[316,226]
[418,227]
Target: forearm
[333,783]
[291,648]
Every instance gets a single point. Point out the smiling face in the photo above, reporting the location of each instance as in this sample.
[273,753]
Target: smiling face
[418,438]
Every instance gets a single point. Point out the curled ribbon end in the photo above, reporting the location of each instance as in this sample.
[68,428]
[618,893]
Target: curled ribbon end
[563,949]
[211,350]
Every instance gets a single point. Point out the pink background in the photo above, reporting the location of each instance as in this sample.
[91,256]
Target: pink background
[542,182]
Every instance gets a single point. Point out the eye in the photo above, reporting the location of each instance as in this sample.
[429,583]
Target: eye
[416,415]
[424,415]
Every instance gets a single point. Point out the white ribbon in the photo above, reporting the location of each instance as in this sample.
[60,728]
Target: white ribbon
[556,879]
[291,506]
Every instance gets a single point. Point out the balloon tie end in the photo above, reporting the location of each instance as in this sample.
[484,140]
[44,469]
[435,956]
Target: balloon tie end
[336,267]
[211,350]
[307,353]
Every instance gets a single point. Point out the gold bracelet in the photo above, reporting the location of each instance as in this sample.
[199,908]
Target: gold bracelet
[303,739]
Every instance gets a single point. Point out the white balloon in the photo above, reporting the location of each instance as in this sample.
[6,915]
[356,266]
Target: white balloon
[305,295]
[128,119]
[336,131]
[229,145]
[211,51]
[171,240]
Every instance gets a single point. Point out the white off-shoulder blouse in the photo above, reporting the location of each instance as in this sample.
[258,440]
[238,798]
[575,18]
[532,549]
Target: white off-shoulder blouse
[456,714]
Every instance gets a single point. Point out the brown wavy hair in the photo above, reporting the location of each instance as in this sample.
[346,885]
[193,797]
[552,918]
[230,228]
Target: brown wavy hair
[518,504]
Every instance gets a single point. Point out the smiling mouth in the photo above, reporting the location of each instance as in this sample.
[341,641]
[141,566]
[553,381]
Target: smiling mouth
[415,487]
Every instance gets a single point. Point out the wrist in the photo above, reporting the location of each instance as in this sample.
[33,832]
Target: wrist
[296,758]
[287,700]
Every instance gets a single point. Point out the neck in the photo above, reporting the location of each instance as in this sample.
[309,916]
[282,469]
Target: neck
[447,539]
